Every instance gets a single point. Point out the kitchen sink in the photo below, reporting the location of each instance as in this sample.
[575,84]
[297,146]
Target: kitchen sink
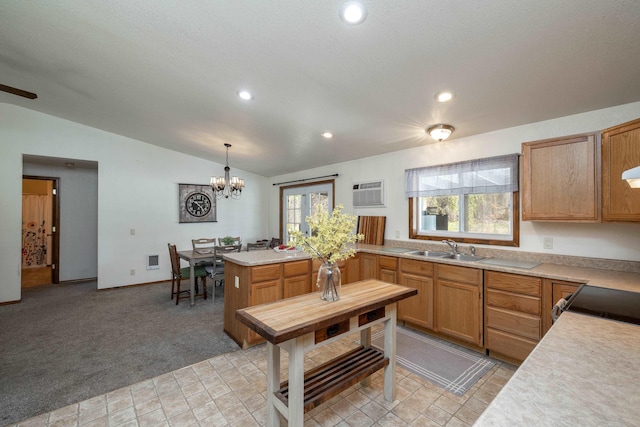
[432,254]
[463,257]
[446,255]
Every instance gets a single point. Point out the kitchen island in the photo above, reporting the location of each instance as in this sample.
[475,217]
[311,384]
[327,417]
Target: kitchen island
[584,372]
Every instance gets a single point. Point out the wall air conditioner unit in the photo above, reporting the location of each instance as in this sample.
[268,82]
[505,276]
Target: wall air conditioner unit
[368,194]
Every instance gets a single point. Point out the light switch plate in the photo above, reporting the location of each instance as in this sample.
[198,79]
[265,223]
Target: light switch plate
[548,243]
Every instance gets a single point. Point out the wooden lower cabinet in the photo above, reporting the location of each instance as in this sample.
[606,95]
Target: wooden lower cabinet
[418,309]
[250,286]
[352,270]
[297,278]
[368,266]
[458,303]
[513,315]
[554,290]
[388,269]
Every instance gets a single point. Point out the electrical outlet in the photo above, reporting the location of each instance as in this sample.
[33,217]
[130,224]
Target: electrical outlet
[132,272]
[397,234]
[548,243]
[132,231]
[237,282]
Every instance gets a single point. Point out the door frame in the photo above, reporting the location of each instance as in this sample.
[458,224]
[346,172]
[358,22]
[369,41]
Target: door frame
[55,236]
[306,184]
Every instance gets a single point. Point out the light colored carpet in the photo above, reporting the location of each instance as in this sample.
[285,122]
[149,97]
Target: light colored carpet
[447,365]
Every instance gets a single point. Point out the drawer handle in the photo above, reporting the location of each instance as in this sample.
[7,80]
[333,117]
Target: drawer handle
[333,330]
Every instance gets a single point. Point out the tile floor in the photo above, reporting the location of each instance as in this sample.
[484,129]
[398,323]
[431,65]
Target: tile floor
[230,390]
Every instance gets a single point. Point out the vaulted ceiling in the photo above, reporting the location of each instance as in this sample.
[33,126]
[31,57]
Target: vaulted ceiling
[168,72]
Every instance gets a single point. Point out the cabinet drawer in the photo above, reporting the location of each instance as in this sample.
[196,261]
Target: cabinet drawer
[521,324]
[459,274]
[509,345]
[514,283]
[388,262]
[511,301]
[265,272]
[420,268]
[296,268]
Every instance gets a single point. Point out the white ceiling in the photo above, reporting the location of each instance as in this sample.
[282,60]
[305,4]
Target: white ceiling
[166,72]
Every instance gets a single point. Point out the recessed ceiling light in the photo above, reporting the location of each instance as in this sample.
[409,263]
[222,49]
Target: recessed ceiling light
[353,12]
[328,135]
[444,96]
[245,95]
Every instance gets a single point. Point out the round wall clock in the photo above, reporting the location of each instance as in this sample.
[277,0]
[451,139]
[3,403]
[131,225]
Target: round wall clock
[196,203]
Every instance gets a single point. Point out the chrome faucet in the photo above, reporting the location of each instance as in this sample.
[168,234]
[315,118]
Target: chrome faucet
[453,245]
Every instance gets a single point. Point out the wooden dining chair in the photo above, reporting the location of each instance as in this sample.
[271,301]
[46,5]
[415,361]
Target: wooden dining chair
[179,274]
[258,246]
[218,266]
[204,246]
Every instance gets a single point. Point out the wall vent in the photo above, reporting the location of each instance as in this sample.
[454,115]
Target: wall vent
[368,194]
[153,262]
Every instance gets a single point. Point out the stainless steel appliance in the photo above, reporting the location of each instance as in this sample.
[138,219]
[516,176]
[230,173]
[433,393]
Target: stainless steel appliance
[608,303]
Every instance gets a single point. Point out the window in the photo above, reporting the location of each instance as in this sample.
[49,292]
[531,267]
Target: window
[471,202]
[298,202]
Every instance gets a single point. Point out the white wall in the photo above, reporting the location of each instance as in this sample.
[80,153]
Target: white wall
[137,188]
[614,241]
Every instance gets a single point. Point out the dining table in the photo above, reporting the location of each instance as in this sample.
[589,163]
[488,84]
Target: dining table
[193,258]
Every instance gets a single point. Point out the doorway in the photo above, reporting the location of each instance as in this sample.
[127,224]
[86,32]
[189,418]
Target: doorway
[298,202]
[40,245]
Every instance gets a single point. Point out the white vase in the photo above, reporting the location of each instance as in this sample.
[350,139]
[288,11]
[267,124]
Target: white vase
[329,281]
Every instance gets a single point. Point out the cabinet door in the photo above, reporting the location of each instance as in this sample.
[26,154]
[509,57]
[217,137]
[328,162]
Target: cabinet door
[352,273]
[261,293]
[620,151]
[298,285]
[388,269]
[368,266]
[560,179]
[458,310]
[417,309]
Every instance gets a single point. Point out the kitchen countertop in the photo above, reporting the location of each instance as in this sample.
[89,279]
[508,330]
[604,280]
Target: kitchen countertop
[584,372]
[594,276]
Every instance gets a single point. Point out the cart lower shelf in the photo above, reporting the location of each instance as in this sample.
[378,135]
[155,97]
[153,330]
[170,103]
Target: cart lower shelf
[331,378]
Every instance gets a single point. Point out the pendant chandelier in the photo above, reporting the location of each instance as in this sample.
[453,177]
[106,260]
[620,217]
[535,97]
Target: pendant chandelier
[224,186]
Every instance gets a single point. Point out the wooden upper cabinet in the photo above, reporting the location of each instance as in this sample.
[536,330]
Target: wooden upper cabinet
[620,151]
[560,179]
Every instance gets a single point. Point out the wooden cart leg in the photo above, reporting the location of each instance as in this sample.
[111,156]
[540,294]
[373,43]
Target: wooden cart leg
[296,382]
[273,383]
[365,340]
[390,353]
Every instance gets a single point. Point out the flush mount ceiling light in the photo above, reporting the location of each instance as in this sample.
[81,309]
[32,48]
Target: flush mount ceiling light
[632,176]
[327,135]
[353,12]
[440,132]
[246,95]
[226,187]
[444,96]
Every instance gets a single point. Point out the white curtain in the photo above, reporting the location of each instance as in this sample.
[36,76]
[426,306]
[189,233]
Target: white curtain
[36,230]
[480,176]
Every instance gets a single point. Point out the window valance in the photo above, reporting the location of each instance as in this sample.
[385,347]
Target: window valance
[480,176]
